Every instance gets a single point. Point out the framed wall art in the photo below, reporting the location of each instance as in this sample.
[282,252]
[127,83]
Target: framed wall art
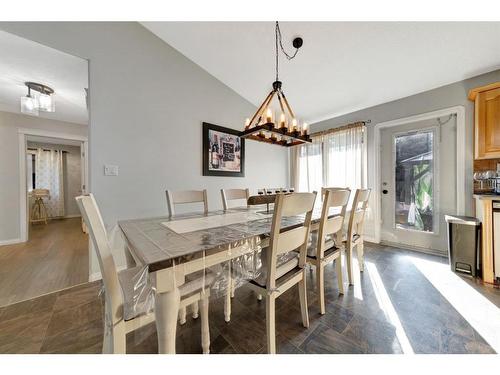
[223,151]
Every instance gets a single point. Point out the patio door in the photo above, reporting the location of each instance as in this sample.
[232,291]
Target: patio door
[418,174]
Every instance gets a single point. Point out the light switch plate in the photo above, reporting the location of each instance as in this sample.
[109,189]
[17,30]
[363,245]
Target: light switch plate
[111,170]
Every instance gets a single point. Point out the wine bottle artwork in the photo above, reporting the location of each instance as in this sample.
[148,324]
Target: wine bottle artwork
[215,159]
[223,151]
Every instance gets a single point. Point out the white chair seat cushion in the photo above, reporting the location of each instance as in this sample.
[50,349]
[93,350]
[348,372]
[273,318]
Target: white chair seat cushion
[285,263]
[313,243]
[139,292]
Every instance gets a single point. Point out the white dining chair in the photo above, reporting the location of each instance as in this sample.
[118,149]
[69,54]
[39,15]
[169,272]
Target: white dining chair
[128,308]
[282,266]
[324,189]
[232,195]
[355,231]
[186,197]
[326,241]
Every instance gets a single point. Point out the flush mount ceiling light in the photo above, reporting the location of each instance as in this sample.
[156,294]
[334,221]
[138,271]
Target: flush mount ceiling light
[42,99]
[265,125]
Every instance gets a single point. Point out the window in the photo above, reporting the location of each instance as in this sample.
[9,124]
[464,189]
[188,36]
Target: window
[311,167]
[337,159]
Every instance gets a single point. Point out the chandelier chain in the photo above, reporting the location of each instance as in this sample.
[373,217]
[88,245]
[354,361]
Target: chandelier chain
[278,41]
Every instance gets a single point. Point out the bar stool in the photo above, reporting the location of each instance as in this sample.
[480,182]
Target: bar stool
[39,210]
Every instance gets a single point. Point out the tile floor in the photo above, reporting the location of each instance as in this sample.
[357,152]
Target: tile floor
[394,308]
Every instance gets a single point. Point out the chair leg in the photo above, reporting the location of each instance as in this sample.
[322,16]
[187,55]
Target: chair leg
[271,324]
[182,315]
[360,249]
[114,339]
[320,286]
[106,342]
[227,297]
[227,306]
[340,278]
[33,211]
[348,255]
[205,327]
[44,209]
[196,309]
[303,300]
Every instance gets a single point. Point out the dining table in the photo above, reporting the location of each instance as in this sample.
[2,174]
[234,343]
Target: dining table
[173,248]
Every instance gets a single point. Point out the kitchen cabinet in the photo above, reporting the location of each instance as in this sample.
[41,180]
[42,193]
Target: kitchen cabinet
[486,121]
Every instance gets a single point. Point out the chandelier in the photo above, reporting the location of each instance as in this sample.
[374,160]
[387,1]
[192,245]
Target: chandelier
[41,100]
[266,125]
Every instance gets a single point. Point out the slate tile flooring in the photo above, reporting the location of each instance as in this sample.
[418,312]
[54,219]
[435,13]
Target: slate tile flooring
[393,308]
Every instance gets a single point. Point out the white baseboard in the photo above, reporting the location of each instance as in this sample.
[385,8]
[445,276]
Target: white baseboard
[416,248]
[370,239]
[95,276]
[63,217]
[10,242]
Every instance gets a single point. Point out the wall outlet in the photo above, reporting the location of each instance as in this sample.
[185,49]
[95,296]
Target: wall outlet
[111,170]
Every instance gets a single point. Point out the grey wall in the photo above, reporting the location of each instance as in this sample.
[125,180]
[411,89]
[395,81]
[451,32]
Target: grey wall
[147,103]
[9,164]
[72,174]
[442,97]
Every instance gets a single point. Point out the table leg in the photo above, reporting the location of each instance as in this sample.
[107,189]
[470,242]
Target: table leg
[167,310]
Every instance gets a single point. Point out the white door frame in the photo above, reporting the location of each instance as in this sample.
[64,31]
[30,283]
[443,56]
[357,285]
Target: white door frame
[459,111]
[23,133]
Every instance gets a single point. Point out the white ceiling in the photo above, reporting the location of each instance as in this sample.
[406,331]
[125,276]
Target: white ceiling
[342,66]
[23,60]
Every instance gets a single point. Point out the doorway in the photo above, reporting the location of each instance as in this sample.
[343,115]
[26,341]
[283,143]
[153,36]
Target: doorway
[418,182]
[55,170]
[44,125]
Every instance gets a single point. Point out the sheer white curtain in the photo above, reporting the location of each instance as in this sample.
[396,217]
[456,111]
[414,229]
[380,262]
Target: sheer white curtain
[344,158]
[49,175]
[337,159]
[307,170]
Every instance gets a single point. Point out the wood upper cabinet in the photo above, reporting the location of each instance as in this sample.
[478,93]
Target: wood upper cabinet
[486,121]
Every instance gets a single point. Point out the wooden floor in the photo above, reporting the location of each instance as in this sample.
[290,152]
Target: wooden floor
[55,258]
[393,309]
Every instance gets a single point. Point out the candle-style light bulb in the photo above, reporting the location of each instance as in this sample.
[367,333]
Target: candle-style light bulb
[294,124]
[282,120]
[247,123]
[269,115]
[305,128]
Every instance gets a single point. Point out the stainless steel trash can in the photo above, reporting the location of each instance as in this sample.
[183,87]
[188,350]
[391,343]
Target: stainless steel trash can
[464,244]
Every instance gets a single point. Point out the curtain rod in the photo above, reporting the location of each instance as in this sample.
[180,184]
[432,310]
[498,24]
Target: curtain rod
[340,128]
[34,149]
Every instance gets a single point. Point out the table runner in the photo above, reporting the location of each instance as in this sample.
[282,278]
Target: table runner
[207,222]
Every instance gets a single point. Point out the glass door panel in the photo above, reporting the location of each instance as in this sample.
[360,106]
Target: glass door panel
[414,181]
